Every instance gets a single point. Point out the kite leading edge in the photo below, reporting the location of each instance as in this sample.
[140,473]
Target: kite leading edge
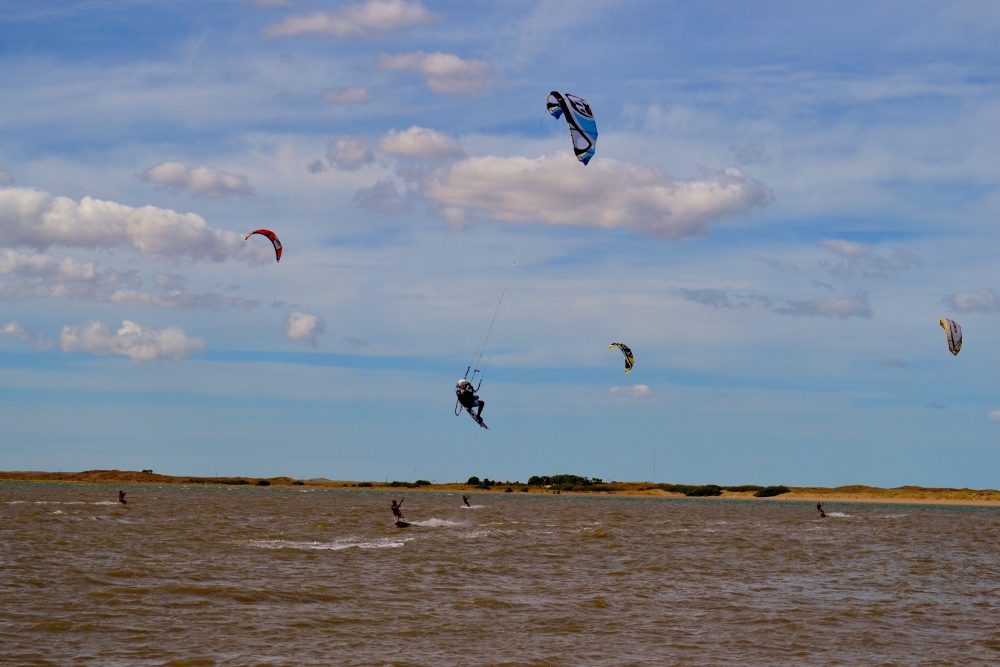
[580,118]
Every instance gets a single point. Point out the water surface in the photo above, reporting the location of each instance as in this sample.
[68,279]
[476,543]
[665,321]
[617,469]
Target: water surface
[254,576]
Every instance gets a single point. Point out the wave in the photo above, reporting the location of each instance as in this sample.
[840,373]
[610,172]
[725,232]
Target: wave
[839,515]
[473,507]
[105,502]
[336,545]
[435,523]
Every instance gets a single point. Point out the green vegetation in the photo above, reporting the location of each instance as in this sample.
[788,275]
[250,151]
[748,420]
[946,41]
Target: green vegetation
[263,482]
[299,482]
[566,482]
[769,491]
[410,485]
[217,480]
[743,488]
[150,471]
[365,484]
[704,490]
[508,490]
[473,481]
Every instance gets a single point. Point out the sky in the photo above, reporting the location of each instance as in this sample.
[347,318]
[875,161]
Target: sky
[785,199]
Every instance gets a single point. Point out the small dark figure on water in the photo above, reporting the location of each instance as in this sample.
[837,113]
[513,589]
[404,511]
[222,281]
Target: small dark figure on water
[465,499]
[397,510]
[121,497]
[819,508]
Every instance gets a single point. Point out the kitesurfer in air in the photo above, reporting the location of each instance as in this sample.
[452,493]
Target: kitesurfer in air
[397,510]
[121,497]
[465,499]
[819,508]
[467,397]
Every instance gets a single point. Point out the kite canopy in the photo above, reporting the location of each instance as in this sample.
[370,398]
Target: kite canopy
[274,240]
[954,333]
[579,117]
[629,361]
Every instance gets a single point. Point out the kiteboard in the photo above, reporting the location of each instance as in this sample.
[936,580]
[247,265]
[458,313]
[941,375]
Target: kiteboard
[478,420]
[402,524]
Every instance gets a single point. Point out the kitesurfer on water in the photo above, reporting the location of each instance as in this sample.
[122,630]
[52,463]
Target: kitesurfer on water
[397,509]
[467,397]
[819,508]
[121,497]
[465,499]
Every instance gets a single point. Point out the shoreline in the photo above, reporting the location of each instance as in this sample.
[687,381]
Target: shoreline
[905,495]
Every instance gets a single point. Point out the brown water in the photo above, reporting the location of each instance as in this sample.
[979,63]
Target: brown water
[206,576]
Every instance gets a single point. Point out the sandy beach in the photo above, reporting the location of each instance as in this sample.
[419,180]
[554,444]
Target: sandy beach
[841,494]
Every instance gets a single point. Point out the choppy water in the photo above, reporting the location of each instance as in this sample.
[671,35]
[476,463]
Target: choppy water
[286,577]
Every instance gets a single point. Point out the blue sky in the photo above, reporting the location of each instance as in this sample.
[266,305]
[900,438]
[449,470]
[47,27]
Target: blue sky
[785,199]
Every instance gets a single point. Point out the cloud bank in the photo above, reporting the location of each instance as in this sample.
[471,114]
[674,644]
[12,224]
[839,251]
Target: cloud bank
[203,180]
[444,73]
[36,340]
[373,17]
[606,194]
[39,220]
[982,301]
[132,340]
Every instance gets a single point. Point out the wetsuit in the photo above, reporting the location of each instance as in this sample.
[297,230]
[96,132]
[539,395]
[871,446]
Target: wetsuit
[397,510]
[121,497]
[467,397]
[819,508]
[465,499]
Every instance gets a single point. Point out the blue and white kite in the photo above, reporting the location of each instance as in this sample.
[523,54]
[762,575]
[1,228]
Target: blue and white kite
[579,117]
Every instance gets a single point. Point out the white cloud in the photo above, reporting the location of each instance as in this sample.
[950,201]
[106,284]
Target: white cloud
[444,73]
[175,282]
[420,142]
[829,307]
[382,197]
[352,95]
[982,301]
[39,220]
[349,153]
[635,391]
[304,327]
[5,177]
[176,300]
[68,269]
[132,340]
[204,180]
[993,415]
[606,194]
[357,20]
[37,340]
[846,249]
[33,276]
[718,299]
[858,258]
